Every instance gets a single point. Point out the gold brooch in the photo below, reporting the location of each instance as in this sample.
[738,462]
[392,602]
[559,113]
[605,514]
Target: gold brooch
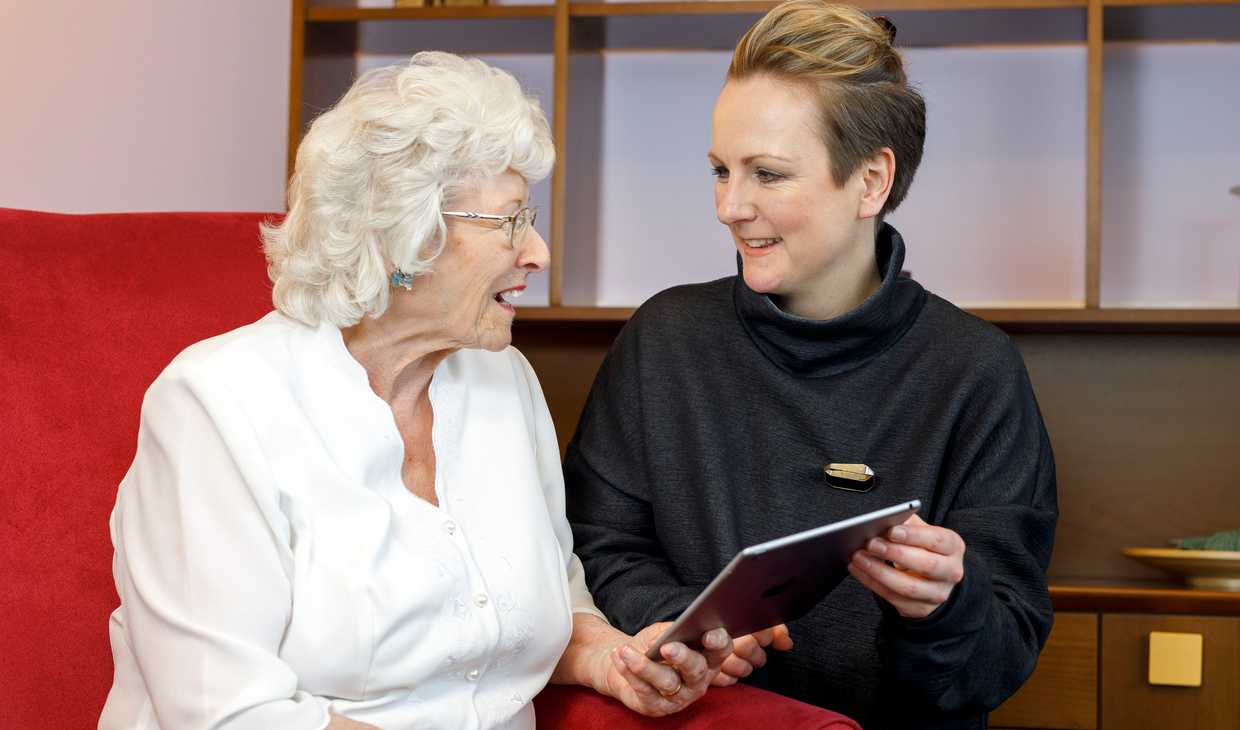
[849,477]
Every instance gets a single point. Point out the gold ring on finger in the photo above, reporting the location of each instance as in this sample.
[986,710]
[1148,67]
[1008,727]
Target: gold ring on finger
[673,692]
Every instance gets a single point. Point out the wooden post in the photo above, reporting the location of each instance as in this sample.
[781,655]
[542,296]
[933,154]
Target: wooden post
[1093,158]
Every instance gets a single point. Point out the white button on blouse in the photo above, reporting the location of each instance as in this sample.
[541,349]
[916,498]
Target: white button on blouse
[272,567]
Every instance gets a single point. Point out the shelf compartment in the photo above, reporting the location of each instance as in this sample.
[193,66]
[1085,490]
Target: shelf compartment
[1168,154]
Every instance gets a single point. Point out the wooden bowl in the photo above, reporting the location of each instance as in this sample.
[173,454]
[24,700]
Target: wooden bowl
[1212,570]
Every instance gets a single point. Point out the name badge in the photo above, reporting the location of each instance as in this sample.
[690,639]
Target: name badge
[849,477]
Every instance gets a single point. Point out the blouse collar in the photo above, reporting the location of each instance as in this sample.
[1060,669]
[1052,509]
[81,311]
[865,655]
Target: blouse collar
[822,348]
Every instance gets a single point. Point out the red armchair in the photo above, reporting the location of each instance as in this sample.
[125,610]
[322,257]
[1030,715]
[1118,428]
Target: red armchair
[91,309]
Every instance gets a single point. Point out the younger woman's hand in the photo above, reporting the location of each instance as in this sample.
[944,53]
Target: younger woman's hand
[927,563]
[749,653]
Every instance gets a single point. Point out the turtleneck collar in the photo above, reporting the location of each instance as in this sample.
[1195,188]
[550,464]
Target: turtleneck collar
[822,348]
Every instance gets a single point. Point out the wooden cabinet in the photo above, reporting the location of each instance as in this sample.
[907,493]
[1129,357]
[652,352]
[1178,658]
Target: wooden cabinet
[1095,671]
[1063,691]
[1129,700]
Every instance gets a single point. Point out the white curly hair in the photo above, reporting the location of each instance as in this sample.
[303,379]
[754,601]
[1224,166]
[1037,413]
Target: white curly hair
[375,172]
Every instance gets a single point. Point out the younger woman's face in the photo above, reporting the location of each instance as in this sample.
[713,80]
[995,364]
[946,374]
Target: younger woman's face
[800,235]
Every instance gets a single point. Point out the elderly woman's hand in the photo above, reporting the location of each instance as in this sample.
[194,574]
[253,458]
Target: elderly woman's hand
[749,653]
[615,664]
[661,688]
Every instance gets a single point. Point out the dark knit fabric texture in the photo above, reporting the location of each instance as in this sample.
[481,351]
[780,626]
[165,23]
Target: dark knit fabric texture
[707,430]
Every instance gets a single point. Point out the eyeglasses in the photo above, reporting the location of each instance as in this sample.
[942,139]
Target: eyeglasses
[517,222]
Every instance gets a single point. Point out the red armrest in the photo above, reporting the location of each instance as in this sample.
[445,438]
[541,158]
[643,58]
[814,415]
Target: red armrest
[738,707]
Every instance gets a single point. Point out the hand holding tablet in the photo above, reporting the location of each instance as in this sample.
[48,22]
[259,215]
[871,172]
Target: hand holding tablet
[781,580]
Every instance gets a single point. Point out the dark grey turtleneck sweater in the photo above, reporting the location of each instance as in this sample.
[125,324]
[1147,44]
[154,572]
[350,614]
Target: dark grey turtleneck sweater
[707,430]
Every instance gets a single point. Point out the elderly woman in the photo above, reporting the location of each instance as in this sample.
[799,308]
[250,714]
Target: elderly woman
[350,513]
[713,417]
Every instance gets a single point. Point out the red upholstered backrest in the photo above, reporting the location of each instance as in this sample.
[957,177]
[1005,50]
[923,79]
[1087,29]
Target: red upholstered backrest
[92,307]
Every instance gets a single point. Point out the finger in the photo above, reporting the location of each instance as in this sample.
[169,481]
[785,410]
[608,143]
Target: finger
[932,565]
[688,669]
[716,647]
[935,539]
[735,667]
[911,586]
[782,639]
[663,679]
[904,606]
[910,593]
[746,647]
[764,637]
[723,680]
[621,658]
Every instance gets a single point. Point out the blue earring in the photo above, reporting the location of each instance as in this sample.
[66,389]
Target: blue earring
[400,278]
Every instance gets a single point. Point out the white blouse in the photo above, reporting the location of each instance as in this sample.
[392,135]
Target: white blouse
[272,566]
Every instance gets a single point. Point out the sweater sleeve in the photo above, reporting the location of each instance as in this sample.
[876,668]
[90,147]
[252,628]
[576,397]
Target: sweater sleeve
[608,506]
[201,565]
[997,491]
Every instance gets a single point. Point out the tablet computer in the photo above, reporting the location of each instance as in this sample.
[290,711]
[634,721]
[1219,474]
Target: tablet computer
[779,581]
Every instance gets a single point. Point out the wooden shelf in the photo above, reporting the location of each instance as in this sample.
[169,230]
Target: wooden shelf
[1136,598]
[1023,320]
[575,314]
[733,7]
[695,7]
[1132,3]
[1113,320]
[495,12]
[730,7]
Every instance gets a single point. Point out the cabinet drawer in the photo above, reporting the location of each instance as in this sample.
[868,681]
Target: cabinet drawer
[1130,702]
[1062,693]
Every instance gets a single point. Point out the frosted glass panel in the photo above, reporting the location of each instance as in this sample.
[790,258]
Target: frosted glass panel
[997,212]
[536,72]
[657,225]
[996,215]
[1171,151]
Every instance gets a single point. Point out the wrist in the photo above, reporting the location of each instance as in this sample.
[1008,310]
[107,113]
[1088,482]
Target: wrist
[587,659]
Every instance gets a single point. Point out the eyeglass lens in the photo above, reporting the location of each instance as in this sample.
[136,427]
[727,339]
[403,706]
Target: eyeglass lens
[522,220]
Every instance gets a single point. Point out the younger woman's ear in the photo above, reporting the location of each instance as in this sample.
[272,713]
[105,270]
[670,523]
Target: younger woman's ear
[876,176]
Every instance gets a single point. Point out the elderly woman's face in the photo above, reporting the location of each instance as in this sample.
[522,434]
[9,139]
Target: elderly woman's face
[794,227]
[465,293]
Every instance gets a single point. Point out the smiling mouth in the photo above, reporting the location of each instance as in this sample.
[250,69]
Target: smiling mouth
[508,294]
[761,242]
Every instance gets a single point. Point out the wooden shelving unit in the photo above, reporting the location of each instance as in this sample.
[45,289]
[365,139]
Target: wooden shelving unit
[576,29]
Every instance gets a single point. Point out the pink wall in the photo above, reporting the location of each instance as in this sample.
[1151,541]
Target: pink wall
[143,105]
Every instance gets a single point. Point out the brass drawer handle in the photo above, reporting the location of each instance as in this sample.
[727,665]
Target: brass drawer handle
[1175,659]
